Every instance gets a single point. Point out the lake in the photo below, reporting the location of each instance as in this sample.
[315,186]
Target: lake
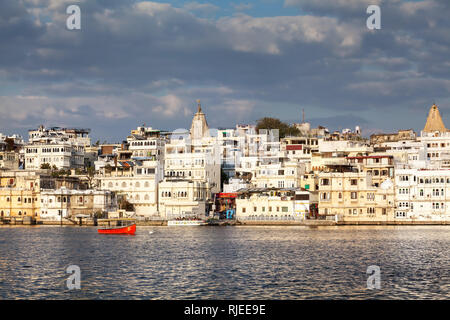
[233,262]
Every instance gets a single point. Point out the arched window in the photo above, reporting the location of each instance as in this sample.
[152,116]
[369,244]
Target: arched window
[137,185]
[110,184]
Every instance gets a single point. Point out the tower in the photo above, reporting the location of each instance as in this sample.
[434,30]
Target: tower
[434,121]
[199,126]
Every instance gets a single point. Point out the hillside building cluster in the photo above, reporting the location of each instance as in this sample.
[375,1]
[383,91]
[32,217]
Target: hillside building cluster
[240,173]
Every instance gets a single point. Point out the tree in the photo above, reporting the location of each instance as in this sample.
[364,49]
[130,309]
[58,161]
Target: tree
[108,168]
[273,123]
[90,173]
[45,166]
[124,204]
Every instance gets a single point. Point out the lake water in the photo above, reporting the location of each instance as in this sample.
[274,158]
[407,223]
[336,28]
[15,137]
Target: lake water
[273,263]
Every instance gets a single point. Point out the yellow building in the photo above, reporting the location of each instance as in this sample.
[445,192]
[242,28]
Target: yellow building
[20,193]
[352,197]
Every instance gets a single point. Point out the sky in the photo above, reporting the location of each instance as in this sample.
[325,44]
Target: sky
[142,62]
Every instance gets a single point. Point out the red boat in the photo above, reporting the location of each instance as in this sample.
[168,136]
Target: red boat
[119,229]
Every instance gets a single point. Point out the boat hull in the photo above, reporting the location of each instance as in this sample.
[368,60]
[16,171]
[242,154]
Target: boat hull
[131,229]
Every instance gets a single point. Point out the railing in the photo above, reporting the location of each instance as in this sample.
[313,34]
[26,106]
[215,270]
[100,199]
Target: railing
[150,218]
[270,218]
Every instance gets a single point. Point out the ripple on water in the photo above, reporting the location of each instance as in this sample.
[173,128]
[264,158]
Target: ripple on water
[226,263]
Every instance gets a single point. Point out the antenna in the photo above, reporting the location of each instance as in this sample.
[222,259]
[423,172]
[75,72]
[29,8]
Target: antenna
[303,115]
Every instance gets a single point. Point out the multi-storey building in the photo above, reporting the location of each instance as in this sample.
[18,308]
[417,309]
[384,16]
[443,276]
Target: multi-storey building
[422,195]
[68,203]
[299,148]
[279,204]
[436,138]
[20,192]
[135,182]
[60,147]
[284,174]
[194,157]
[379,166]
[10,148]
[349,195]
[181,198]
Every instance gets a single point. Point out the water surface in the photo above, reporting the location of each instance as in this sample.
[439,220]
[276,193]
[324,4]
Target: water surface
[226,262]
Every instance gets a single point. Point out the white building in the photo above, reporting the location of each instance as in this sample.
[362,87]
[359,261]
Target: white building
[272,204]
[422,194]
[194,157]
[60,147]
[67,203]
[183,198]
[138,185]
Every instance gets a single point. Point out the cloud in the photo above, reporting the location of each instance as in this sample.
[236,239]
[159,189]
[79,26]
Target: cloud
[201,8]
[170,105]
[134,60]
[241,6]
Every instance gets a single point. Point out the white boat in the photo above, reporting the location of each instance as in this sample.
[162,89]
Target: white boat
[186,223]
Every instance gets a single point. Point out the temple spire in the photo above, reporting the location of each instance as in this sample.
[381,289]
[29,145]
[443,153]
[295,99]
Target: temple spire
[199,126]
[434,121]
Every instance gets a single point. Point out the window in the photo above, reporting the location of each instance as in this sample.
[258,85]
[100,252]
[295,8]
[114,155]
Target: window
[354,195]
[302,197]
[325,196]
[354,182]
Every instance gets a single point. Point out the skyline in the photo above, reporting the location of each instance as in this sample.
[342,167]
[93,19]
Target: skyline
[136,62]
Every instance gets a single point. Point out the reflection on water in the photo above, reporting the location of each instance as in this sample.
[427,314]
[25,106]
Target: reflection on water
[226,262]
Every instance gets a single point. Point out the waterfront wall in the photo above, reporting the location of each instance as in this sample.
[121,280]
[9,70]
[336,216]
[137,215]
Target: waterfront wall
[90,222]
